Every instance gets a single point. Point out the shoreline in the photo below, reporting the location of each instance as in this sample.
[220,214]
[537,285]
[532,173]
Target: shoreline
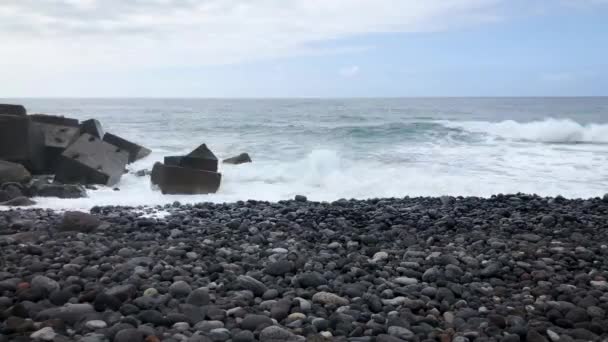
[505,268]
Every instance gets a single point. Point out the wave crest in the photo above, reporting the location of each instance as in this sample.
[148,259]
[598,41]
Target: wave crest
[547,131]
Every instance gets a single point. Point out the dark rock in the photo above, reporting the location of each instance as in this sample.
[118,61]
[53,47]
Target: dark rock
[280,309]
[249,283]
[58,190]
[135,152]
[300,198]
[311,279]
[18,202]
[13,172]
[243,336]
[279,268]
[91,161]
[198,297]
[240,159]
[12,109]
[255,322]
[129,335]
[79,222]
[535,336]
[180,180]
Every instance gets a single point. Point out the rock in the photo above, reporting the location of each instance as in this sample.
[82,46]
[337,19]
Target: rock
[180,180]
[13,172]
[278,334]
[300,198]
[400,332]
[491,269]
[329,298]
[44,334]
[548,221]
[129,335]
[21,142]
[79,222]
[243,336]
[12,109]
[280,309]
[207,326]
[405,281]
[45,284]
[240,159]
[255,322]
[96,324]
[198,297]
[135,152]
[91,161]
[58,190]
[92,127]
[279,268]
[180,289]
[248,283]
[535,336]
[380,256]
[200,159]
[20,201]
[70,313]
[311,279]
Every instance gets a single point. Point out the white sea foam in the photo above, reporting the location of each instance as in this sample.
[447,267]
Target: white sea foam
[547,131]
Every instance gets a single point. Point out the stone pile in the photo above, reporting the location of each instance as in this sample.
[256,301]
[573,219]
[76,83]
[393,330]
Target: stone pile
[503,269]
[75,152]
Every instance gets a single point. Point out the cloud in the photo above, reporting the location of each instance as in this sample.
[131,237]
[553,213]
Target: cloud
[350,71]
[77,34]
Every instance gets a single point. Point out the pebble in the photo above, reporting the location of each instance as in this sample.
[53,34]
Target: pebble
[44,334]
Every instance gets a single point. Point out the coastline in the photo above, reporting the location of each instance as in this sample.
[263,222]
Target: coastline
[505,268]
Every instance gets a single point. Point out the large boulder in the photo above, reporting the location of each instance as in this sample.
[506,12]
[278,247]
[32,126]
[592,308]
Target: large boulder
[13,172]
[92,127]
[79,222]
[22,142]
[180,180]
[200,159]
[59,133]
[240,159]
[136,152]
[12,109]
[90,160]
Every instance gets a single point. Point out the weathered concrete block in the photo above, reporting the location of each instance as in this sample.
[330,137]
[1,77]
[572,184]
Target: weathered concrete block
[12,109]
[22,142]
[92,127]
[136,152]
[201,159]
[181,180]
[90,160]
[54,120]
[240,159]
[59,133]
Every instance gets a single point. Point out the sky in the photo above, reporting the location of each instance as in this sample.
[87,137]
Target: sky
[303,48]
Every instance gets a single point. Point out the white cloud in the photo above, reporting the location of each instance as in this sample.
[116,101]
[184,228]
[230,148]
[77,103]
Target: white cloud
[350,71]
[80,34]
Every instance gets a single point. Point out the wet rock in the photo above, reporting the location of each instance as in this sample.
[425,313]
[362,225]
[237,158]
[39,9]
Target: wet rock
[13,172]
[20,201]
[240,159]
[79,222]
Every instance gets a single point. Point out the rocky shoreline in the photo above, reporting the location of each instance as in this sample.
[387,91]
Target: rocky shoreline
[507,268]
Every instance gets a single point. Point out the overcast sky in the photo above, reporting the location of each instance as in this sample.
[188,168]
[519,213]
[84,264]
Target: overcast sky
[292,48]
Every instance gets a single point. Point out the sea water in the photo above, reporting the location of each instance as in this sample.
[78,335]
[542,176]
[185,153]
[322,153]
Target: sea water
[328,149]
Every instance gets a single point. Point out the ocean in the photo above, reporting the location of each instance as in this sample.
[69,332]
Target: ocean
[328,149]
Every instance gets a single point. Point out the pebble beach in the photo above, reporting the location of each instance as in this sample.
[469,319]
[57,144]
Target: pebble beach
[505,268]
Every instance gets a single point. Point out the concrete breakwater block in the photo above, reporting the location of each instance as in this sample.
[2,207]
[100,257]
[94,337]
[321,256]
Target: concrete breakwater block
[22,142]
[201,159]
[12,109]
[240,159]
[136,152]
[92,127]
[89,160]
[59,133]
[180,180]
